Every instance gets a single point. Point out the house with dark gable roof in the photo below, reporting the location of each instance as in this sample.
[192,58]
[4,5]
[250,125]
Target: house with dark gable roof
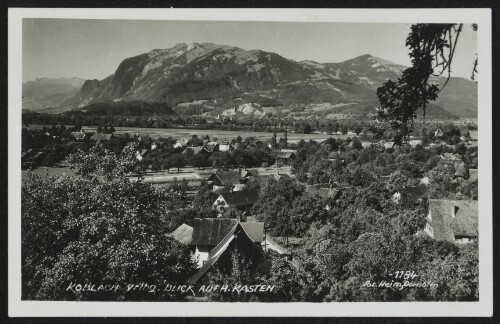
[224,178]
[207,234]
[241,200]
[455,221]
[235,242]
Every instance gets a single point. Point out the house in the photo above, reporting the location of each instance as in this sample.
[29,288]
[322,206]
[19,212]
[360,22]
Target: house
[212,147]
[79,135]
[224,178]
[411,193]
[329,191]
[450,159]
[454,221]
[239,187]
[250,173]
[183,234]
[384,178]
[180,143]
[235,241]
[415,142]
[241,200]
[335,156]
[225,147]
[99,137]
[261,178]
[140,154]
[253,142]
[207,234]
[31,158]
[461,171]
[196,150]
[284,156]
[473,135]
[438,132]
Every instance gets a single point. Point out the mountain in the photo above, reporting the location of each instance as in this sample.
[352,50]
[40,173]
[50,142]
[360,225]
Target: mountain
[212,79]
[49,92]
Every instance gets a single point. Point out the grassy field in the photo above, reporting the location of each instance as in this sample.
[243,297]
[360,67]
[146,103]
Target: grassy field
[213,133]
[48,171]
[164,176]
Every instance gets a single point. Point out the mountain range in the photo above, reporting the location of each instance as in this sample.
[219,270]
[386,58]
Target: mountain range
[211,79]
[49,92]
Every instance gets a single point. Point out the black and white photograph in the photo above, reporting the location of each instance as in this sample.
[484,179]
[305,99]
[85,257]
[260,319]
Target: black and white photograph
[251,162]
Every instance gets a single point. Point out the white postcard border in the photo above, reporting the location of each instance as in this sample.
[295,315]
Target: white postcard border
[484,307]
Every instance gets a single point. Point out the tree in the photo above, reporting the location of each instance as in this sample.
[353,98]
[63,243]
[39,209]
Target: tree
[204,197]
[221,160]
[274,205]
[177,161]
[99,228]
[432,47]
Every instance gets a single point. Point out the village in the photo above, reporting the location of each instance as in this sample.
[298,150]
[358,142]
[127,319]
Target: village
[233,178]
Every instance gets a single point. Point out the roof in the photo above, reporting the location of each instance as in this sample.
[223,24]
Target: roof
[101,137]
[275,246]
[324,190]
[241,198]
[253,142]
[334,155]
[183,234]
[227,177]
[451,156]
[460,170]
[211,231]
[262,178]
[235,233]
[211,146]
[253,173]
[414,192]
[281,176]
[254,230]
[195,149]
[284,155]
[239,187]
[329,192]
[224,147]
[79,134]
[453,218]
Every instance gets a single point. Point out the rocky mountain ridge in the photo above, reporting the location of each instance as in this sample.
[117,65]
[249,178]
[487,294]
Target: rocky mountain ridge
[228,80]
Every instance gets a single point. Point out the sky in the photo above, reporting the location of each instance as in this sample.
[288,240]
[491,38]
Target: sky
[93,49]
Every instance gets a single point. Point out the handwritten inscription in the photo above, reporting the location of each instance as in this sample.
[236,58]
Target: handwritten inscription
[398,284]
[152,288]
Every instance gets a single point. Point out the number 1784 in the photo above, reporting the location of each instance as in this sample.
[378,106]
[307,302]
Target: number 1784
[405,274]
